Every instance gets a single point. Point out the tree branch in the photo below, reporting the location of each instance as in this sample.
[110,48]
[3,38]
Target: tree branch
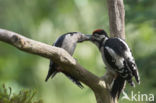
[116,18]
[61,57]
[116,13]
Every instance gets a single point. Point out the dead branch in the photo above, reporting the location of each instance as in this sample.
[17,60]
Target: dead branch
[61,57]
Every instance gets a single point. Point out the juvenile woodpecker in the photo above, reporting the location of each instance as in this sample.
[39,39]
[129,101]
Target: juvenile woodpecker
[68,42]
[118,59]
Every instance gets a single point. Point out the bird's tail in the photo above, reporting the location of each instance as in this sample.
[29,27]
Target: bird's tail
[74,80]
[118,86]
[52,71]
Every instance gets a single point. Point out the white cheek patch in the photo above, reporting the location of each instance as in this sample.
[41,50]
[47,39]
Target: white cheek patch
[118,60]
[102,36]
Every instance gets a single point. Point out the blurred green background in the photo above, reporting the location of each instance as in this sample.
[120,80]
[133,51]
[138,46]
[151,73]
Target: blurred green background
[45,20]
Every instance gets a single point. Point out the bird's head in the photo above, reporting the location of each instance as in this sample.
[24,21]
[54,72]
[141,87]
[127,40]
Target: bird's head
[83,37]
[98,36]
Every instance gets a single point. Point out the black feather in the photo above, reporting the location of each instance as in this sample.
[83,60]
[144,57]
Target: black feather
[59,41]
[118,86]
[52,70]
[116,45]
[74,80]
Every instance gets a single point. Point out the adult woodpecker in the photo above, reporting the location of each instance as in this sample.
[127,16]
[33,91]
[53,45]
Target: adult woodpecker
[68,42]
[118,59]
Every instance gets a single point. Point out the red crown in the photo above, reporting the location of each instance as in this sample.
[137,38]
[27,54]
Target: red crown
[97,30]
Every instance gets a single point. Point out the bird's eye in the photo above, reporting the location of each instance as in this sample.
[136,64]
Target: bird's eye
[96,35]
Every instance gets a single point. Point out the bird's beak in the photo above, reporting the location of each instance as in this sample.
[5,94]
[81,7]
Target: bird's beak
[85,37]
[93,38]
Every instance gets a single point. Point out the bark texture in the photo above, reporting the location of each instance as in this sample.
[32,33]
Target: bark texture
[116,18]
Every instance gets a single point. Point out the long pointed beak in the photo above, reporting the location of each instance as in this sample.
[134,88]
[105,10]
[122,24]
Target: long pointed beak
[88,37]
[85,37]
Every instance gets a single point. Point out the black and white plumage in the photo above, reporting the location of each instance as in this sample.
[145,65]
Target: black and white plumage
[118,60]
[68,42]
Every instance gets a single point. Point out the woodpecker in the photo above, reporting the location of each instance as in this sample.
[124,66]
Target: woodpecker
[118,59]
[68,42]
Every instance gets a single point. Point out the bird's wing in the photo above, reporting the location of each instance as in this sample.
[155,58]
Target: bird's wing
[59,41]
[52,70]
[53,66]
[120,58]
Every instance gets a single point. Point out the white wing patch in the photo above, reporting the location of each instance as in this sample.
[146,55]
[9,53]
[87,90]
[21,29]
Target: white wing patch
[128,53]
[118,60]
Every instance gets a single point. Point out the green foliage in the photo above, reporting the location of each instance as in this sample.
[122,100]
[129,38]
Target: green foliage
[139,11]
[24,96]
